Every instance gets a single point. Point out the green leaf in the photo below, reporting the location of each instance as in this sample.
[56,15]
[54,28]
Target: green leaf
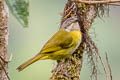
[20,9]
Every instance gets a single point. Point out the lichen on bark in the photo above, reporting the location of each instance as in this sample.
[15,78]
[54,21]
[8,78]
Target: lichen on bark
[3,39]
[69,69]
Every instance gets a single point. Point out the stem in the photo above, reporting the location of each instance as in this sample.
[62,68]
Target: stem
[97,2]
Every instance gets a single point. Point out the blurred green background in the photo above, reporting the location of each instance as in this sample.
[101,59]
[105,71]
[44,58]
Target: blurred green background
[44,19]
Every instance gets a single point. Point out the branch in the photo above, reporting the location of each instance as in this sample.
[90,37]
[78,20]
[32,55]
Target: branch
[97,2]
[70,68]
[6,73]
[109,68]
[6,61]
[3,41]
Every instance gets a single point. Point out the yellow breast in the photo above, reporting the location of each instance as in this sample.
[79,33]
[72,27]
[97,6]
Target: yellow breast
[77,35]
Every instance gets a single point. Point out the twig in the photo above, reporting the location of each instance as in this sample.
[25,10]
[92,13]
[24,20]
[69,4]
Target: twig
[103,65]
[6,61]
[4,70]
[114,4]
[10,58]
[109,66]
[97,2]
[101,60]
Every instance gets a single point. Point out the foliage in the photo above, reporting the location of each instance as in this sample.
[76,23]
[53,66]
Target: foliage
[20,9]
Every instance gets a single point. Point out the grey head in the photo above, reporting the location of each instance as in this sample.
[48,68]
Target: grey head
[71,24]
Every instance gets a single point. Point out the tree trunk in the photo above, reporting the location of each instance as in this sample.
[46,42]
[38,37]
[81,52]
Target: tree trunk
[69,69]
[3,40]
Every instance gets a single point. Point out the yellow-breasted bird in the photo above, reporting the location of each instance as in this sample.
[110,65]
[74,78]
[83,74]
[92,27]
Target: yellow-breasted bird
[62,44]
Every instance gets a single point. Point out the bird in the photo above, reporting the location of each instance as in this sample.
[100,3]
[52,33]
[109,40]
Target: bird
[61,45]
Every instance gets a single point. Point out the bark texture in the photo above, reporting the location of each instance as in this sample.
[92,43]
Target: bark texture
[3,40]
[69,69]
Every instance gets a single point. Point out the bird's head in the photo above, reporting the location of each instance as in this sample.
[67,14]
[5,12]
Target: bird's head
[71,24]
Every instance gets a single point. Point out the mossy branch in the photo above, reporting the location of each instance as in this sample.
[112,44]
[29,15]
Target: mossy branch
[97,2]
[3,41]
[69,69]
[86,11]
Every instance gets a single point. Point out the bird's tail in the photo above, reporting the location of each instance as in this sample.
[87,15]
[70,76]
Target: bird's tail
[30,61]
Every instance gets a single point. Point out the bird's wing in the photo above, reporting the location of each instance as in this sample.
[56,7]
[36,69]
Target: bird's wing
[61,40]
